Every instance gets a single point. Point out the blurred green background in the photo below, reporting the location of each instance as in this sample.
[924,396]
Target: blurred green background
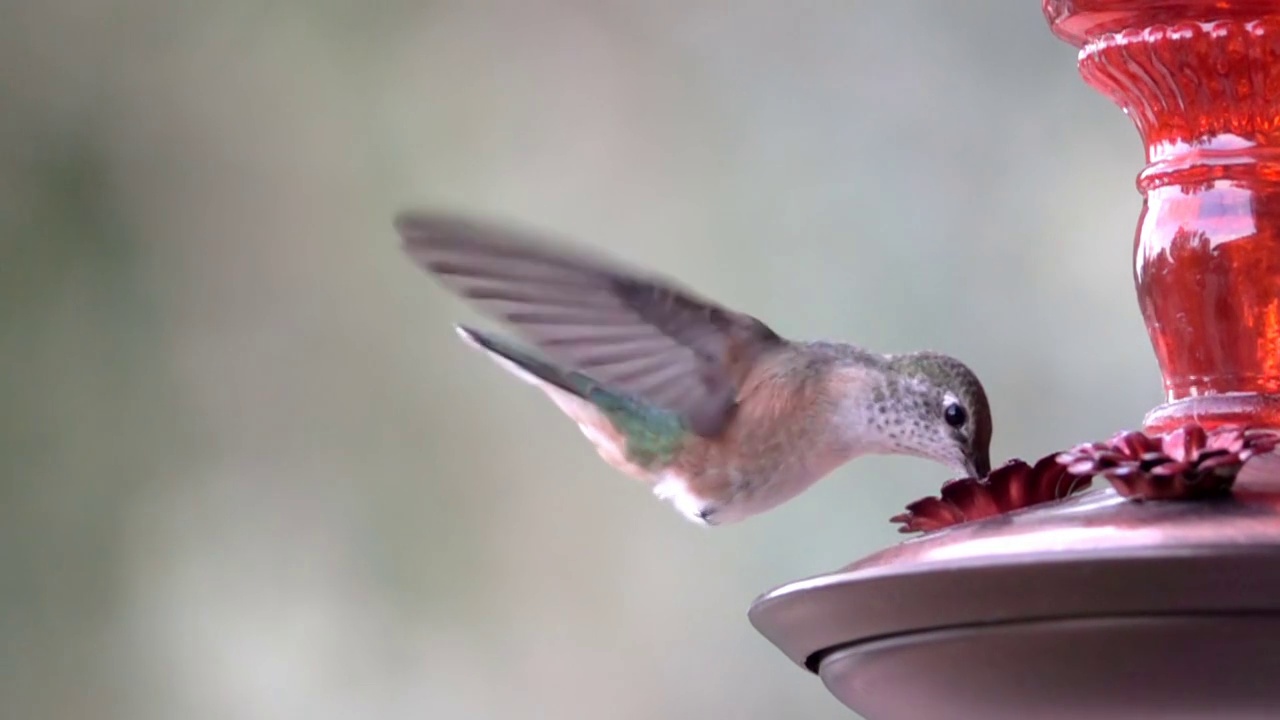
[249,472]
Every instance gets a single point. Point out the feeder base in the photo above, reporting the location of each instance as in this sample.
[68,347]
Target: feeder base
[1092,607]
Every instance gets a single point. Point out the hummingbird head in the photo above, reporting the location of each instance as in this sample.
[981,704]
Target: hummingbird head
[936,408]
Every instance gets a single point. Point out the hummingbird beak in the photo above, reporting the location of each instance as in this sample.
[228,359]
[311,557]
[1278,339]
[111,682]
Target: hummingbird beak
[978,466]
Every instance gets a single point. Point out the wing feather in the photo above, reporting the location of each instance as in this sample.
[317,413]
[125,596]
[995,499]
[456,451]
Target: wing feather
[644,336]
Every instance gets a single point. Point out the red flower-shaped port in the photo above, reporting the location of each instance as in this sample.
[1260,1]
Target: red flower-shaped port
[1187,464]
[1013,486]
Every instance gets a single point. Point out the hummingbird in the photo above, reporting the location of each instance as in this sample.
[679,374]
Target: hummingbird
[709,407]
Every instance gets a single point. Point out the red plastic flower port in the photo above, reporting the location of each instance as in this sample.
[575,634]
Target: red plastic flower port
[1187,464]
[1013,486]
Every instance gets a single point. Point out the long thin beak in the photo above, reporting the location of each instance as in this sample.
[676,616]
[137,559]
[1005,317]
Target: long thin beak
[978,467]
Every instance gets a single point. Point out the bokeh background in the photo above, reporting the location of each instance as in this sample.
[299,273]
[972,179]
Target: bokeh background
[248,472]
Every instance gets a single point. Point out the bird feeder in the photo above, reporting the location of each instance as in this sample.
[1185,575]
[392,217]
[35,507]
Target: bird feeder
[1157,594]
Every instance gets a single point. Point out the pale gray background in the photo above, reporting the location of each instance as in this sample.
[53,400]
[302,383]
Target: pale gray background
[248,472]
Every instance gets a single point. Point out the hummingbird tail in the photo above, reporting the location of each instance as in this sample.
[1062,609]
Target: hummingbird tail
[625,431]
[524,364]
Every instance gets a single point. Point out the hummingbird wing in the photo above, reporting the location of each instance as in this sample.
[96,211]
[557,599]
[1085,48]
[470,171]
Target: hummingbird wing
[643,336]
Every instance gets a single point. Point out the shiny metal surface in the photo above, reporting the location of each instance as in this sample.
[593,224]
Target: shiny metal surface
[1093,555]
[1219,667]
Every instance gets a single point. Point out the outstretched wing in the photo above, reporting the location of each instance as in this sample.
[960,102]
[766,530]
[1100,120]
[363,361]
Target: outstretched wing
[640,335]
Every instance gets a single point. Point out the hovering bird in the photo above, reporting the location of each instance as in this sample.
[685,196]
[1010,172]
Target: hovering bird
[711,408]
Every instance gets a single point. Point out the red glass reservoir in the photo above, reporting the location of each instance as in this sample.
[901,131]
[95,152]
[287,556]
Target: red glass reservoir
[1201,81]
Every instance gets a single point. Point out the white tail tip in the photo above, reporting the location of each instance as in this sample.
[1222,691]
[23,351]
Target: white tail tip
[467,336]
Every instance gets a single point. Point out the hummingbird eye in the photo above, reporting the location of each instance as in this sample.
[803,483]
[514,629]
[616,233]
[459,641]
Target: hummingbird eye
[955,415]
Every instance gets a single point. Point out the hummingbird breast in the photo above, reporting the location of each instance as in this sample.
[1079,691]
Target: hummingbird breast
[785,436]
